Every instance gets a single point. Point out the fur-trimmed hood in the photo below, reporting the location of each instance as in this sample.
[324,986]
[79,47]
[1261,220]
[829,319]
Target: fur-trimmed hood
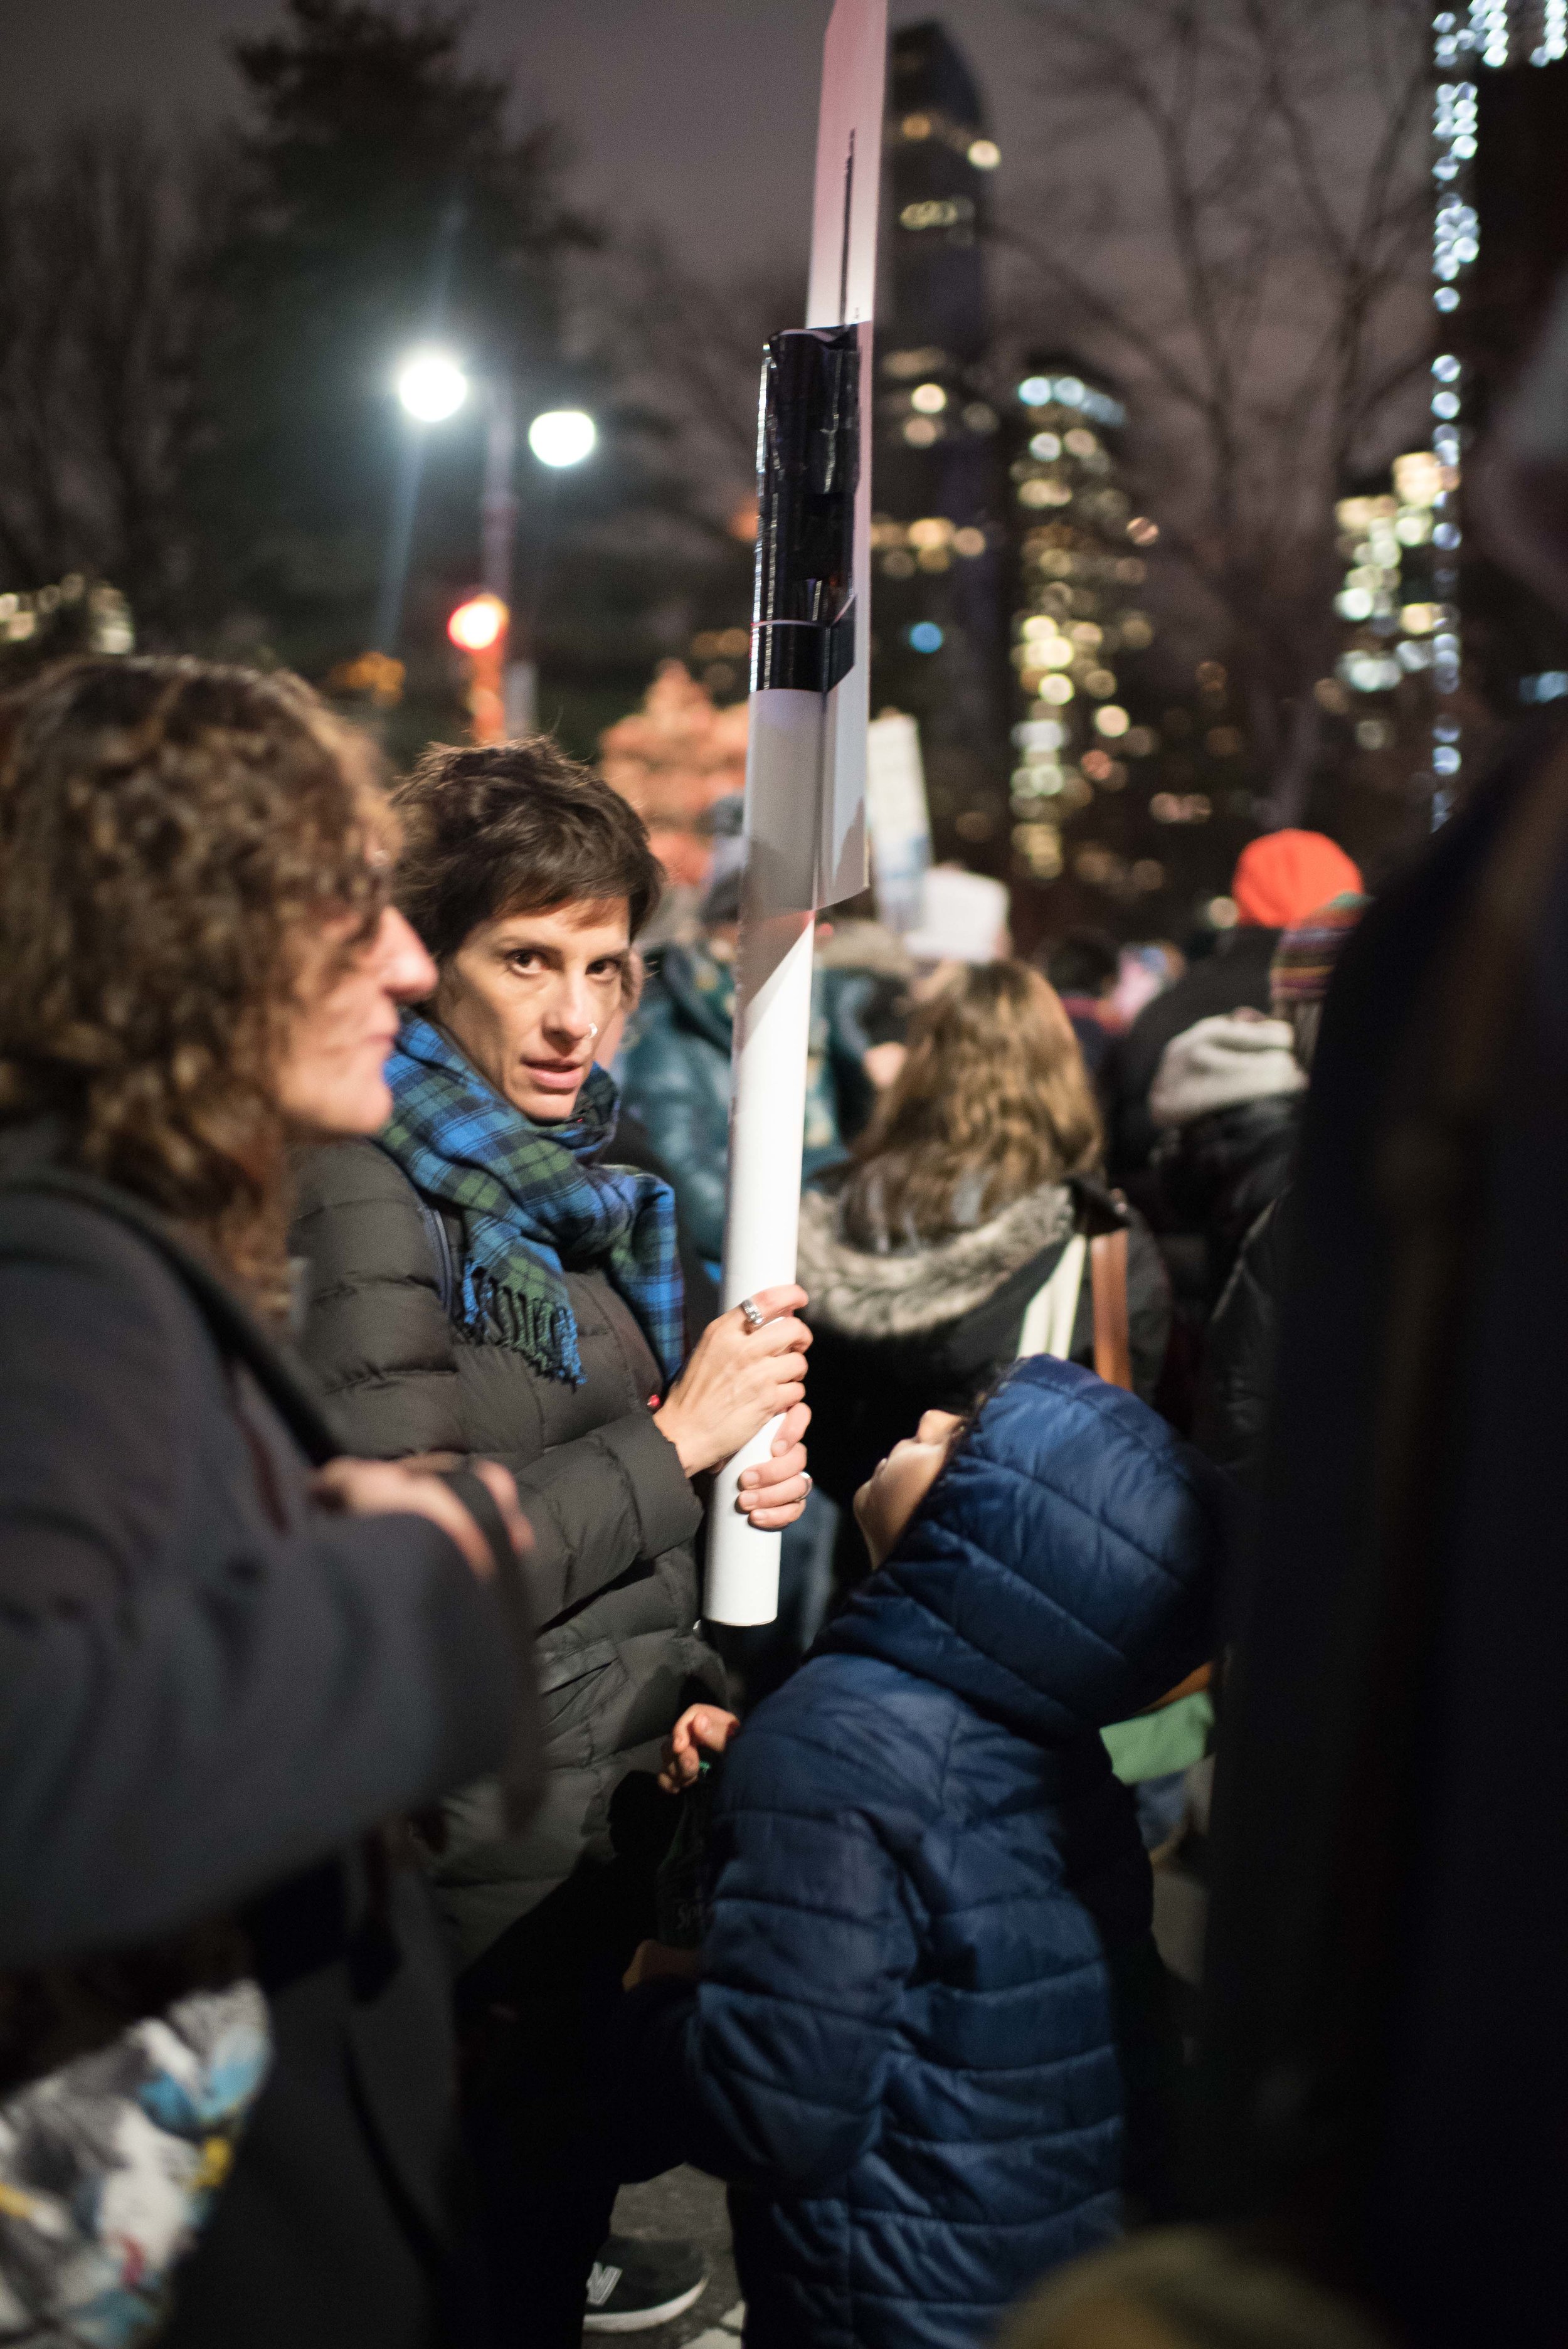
[897,1294]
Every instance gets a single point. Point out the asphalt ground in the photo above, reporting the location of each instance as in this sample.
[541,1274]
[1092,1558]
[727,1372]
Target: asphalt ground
[685,2203]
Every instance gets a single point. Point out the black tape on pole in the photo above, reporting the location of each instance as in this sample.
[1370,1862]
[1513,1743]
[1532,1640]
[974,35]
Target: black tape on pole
[808,463]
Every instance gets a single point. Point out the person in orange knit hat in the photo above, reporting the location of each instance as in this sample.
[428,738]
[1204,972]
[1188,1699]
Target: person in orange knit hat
[1284,876]
[1280,878]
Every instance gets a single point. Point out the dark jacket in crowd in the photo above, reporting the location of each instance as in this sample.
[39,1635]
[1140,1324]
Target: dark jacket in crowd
[633,1147]
[1444,2141]
[1236,973]
[676,1073]
[1237,1377]
[1218,1174]
[612,1574]
[923,1329]
[925,2045]
[212,1693]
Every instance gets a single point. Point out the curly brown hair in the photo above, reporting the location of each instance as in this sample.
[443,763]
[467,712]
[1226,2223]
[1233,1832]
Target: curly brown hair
[515,828]
[172,836]
[992,1101]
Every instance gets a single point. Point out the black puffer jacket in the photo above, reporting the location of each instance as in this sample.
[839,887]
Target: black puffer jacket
[612,1574]
[931,1329]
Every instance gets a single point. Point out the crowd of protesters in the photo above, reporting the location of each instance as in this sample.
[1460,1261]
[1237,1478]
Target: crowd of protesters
[392,1864]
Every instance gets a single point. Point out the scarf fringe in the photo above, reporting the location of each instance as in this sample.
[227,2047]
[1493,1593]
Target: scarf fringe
[495,1314]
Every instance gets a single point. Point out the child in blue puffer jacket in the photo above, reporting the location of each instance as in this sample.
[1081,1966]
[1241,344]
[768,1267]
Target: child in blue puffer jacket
[928,1997]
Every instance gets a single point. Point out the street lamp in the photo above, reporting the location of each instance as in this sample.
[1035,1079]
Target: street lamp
[562,436]
[431,386]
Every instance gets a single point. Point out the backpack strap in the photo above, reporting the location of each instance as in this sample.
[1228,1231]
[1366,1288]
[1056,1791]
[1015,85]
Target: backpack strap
[236,1332]
[1108,1275]
[1051,1314]
[436,1232]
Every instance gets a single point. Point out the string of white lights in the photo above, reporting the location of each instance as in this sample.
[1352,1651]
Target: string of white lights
[1456,244]
[1489,28]
[1553,42]
[1460,45]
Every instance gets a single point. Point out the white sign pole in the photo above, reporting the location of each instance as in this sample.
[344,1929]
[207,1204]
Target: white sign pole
[805,766]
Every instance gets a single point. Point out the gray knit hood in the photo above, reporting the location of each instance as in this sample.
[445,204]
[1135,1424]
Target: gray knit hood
[1218,1063]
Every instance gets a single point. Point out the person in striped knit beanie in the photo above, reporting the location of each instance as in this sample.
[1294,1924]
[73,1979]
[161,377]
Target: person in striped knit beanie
[1304,964]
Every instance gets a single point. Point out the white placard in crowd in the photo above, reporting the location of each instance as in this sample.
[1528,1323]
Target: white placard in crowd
[898,818]
[963,918]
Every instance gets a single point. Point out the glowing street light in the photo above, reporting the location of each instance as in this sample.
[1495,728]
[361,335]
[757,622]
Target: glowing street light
[562,436]
[431,386]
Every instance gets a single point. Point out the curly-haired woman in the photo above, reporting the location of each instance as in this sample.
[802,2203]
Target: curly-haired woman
[485,1278]
[220,1664]
[954,1239]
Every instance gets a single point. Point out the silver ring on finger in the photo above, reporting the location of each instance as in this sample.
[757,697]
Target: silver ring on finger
[755,1316]
[808,1479]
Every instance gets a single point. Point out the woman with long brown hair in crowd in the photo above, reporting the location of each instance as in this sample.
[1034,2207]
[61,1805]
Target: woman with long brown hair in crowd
[223,2017]
[955,1239]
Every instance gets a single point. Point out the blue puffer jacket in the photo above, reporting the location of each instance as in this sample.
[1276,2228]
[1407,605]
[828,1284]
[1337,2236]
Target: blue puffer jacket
[929,1986]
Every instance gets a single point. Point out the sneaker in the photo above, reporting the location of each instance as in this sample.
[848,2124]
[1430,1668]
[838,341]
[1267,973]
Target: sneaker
[634,2284]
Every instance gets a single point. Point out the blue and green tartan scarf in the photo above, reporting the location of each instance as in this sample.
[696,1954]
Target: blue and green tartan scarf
[535,1201]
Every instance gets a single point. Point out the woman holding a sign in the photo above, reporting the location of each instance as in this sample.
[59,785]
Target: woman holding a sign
[484,1278]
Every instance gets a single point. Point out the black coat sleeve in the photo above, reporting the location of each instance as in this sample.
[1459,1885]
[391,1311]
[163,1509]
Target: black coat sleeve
[1147,1307]
[194,1702]
[379,1341]
[1238,1357]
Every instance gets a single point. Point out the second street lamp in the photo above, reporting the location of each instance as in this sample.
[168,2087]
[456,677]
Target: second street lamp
[562,436]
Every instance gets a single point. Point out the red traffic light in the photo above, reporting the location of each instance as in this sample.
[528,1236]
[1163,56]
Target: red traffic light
[479,623]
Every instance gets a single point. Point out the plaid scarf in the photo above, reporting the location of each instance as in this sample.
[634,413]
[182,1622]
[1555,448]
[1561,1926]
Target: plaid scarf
[535,1201]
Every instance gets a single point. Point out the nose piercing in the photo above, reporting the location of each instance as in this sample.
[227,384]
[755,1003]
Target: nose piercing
[593,1033]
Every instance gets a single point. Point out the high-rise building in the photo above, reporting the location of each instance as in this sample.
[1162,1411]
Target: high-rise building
[940,538]
[1121,806]
[1076,615]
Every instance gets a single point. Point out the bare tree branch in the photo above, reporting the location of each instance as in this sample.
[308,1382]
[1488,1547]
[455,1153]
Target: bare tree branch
[101,301]
[1256,285]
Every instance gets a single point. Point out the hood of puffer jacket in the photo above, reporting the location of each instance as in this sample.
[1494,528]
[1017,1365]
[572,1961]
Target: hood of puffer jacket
[1234,1057]
[868,1295]
[1063,1571]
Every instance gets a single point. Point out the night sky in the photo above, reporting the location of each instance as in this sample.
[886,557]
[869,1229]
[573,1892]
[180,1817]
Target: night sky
[698,115]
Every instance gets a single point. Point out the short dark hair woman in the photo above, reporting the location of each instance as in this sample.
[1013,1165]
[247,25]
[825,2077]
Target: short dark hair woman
[969,1195]
[215,1680]
[485,1278]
